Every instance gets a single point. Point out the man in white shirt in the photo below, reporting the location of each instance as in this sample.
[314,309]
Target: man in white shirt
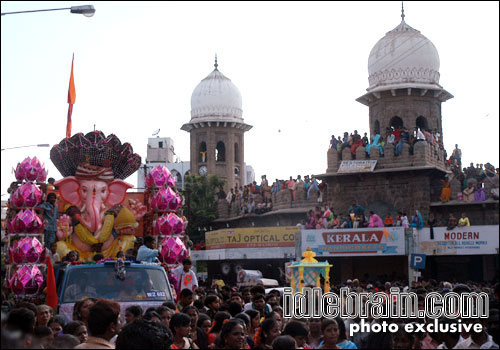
[146,252]
[186,278]
[480,340]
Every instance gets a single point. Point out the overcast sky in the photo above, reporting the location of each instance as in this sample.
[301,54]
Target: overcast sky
[299,67]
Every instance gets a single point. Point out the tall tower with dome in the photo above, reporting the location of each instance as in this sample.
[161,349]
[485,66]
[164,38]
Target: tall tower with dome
[403,76]
[217,129]
[403,92]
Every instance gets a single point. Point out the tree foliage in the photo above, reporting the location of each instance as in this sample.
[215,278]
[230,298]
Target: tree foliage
[202,190]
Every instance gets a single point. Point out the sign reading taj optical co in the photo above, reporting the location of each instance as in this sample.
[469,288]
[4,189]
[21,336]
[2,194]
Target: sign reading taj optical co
[283,236]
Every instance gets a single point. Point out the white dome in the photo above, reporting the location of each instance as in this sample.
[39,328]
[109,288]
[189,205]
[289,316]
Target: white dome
[216,98]
[403,57]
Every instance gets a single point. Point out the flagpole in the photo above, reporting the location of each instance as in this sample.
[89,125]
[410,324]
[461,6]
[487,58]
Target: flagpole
[71,99]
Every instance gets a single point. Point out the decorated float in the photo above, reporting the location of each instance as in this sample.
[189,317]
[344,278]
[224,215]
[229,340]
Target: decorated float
[308,272]
[97,217]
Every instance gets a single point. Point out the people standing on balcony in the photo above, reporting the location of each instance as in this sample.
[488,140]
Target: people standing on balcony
[314,186]
[468,193]
[289,185]
[480,194]
[388,221]
[358,209]
[365,140]
[345,141]
[375,220]
[404,221]
[375,143]
[452,222]
[446,190]
[333,142]
[464,221]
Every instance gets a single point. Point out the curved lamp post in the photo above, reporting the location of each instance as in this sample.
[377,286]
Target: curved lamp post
[39,145]
[86,10]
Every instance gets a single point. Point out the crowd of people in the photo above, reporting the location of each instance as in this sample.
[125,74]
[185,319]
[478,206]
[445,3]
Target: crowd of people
[474,180]
[325,218]
[258,199]
[357,218]
[395,136]
[225,317]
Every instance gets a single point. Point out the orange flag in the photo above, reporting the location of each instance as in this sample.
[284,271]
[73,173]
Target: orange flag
[51,299]
[71,99]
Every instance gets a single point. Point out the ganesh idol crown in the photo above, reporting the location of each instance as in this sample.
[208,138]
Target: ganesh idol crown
[94,167]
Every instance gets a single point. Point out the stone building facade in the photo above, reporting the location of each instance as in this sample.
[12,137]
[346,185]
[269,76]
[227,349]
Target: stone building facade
[221,149]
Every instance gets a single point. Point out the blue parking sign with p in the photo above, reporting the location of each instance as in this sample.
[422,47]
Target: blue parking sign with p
[417,261]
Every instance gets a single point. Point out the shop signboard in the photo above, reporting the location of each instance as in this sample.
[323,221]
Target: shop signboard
[283,236]
[357,166]
[468,240]
[377,241]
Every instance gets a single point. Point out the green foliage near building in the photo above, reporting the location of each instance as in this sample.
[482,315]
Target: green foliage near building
[202,191]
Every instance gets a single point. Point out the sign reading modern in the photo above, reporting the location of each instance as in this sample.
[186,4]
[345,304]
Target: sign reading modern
[468,240]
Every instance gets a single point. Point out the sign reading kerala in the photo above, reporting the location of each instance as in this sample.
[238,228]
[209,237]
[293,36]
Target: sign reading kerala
[355,242]
[468,240]
[357,166]
[252,237]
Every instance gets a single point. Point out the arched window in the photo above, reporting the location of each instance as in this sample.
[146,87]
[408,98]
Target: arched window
[236,153]
[421,123]
[396,122]
[376,128]
[178,177]
[220,152]
[202,153]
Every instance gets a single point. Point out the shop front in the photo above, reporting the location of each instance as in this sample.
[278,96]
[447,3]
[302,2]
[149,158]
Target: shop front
[467,253]
[365,253]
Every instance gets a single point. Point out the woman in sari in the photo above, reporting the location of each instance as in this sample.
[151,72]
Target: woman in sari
[446,191]
[375,143]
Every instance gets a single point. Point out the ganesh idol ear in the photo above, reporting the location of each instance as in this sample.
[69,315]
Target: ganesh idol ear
[68,188]
[117,190]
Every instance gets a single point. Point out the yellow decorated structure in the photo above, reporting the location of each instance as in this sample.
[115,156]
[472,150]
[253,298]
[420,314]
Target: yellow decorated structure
[308,272]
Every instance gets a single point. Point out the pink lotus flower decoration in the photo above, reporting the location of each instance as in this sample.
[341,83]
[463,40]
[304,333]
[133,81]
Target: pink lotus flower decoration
[26,221]
[28,250]
[166,199]
[168,224]
[173,250]
[31,170]
[27,195]
[160,176]
[64,228]
[176,223]
[27,280]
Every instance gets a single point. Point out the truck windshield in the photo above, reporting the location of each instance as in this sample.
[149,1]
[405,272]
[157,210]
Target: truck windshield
[139,284]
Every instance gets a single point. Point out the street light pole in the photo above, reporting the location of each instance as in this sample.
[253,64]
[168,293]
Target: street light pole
[86,10]
[39,145]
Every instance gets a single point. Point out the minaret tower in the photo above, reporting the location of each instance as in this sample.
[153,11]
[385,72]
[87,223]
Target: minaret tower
[403,75]
[217,129]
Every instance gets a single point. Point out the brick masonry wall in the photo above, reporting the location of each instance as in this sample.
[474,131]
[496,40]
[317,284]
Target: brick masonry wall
[404,191]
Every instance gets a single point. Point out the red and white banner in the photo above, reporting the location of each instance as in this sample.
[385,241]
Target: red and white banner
[381,241]
[468,240]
